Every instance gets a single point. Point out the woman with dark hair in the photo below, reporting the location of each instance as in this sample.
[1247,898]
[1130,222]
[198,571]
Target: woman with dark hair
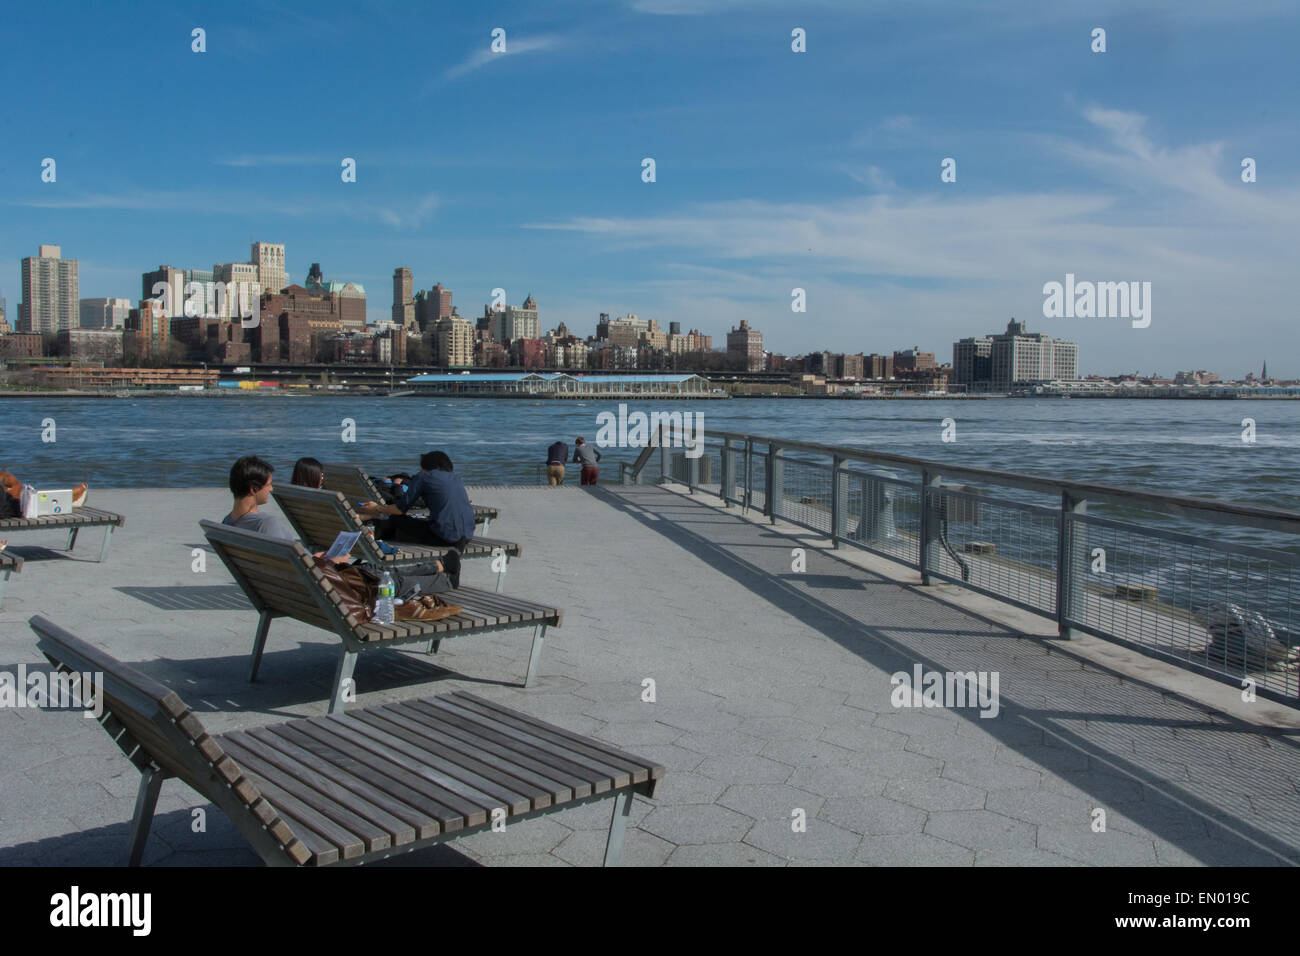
[451,516]
[308,473]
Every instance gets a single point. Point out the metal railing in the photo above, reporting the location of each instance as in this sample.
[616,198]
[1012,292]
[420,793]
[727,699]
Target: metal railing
[1211,585]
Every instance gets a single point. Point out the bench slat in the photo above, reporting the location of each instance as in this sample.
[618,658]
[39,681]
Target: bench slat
[519,765]
[404,823]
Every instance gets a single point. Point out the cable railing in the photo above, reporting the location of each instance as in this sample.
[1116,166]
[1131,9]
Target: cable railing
[1209,584]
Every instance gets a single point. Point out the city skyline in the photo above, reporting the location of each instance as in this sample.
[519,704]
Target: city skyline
[767,178]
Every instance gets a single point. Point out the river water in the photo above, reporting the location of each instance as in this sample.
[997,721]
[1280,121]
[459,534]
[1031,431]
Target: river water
[1185,447]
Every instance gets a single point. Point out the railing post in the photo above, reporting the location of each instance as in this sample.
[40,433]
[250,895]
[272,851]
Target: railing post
[837,513]
[728,476]
[929,524]
[749,475]
[775,476]
[664,474]
[1071,557]
[692,470]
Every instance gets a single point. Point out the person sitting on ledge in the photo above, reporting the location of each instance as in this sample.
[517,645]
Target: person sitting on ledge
[11,494]
[451,516]
[250,483]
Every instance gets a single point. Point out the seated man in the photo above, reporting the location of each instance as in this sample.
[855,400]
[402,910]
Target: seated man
[250,483]
[451,516]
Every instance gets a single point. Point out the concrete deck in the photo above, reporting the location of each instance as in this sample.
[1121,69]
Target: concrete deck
[773,694]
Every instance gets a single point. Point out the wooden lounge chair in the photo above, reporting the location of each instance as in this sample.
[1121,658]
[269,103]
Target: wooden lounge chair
[9,564]
[319,515]
[356,486]
[281,580]
[357,787]
[72,522]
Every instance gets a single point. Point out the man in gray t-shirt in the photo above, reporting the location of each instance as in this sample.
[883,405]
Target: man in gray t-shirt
[587,456]
[269,525]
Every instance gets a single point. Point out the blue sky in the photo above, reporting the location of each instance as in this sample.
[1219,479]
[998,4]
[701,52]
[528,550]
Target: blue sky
[775,169]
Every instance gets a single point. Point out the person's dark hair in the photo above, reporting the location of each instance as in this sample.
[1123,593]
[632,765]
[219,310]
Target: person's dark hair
[308,472]
[401,475]
[248,474]
[580,441]
[436,461]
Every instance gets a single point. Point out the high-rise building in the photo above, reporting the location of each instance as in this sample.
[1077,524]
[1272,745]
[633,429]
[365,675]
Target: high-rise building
[269,259]
[510,323]
[747,342]
[242,289]
[1017,357]
[913,360]
[455,339]
[674,328]
[403,301]
[50,292]
[103,313]
[972,362]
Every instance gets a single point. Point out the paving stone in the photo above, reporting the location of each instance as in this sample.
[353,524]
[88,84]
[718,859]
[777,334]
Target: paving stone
[697,823]
[989,775]
[1042,807]
[822,840]
[980,830]
[935,793]
[766,801]
[1112,848]
[832,780]
[722,854]
[873,815]
[587,848]
[742,768]
[912,849]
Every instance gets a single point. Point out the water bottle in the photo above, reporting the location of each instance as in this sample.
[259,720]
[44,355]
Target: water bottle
[384,600]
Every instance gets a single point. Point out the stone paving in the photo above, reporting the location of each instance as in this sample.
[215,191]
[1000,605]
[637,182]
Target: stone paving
[773,702]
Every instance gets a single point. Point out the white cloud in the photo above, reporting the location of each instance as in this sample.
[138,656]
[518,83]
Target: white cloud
[514,46]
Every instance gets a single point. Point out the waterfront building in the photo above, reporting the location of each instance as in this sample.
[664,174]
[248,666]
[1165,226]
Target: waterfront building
[1019,356]
[913,360]
[103,313]
[528,353]
[148,330]
[748,343]
[50,292]
[879,368]
[972,362]
[849,366]
[560,384]
[102,346]
[347,299]
[271,271]
[455,342]
[21,345]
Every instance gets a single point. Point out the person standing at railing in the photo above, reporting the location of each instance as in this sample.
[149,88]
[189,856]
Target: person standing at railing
[556,458]
[587,456]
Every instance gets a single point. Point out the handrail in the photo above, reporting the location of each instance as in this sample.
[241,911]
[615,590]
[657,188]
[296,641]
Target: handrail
[1210,509]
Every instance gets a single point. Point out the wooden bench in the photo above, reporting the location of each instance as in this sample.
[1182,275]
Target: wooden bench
[319,515]
[72,522]
[357,787]
[9,564]
[356,486]
[281,580]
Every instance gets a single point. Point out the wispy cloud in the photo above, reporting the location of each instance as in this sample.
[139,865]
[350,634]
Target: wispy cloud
[514,46]
[406,215]
[277,159]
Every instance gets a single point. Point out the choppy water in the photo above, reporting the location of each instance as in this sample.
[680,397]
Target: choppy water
[1187,447]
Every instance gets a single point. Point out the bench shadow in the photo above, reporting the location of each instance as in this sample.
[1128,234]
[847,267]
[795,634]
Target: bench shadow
[1113,778]
[172,842]
[212,597]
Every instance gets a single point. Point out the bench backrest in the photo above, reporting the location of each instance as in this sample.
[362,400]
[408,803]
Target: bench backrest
[351,481]
[280,576]
[153,726]
[316,514]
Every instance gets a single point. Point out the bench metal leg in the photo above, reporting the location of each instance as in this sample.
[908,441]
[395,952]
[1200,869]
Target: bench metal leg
[108,539]
[342,679]
[501,575]
[146,799]
[4,579]
[618,827]
[432,647]
[487,523]
[259,642]
[535,658]
[72,538]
